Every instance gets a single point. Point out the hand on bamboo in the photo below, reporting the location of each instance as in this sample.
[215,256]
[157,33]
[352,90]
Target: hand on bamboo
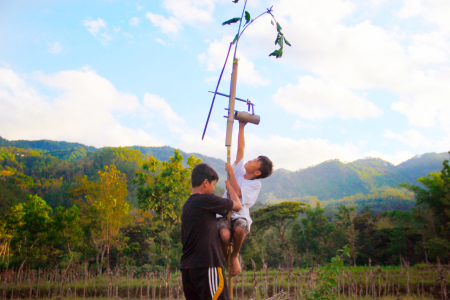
[229,168]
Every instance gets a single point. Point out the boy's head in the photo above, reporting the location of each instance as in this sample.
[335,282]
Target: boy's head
[202,172]
[260,167]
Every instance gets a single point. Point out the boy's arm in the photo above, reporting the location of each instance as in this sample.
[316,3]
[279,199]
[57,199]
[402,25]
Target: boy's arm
[230,170]
[241,143]
[233,196]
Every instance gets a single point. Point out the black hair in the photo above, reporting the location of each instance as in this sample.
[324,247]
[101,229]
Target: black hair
[202,172]
[266,167]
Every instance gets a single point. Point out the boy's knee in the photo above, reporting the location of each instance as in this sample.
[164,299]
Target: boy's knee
[225,235]
[239,231]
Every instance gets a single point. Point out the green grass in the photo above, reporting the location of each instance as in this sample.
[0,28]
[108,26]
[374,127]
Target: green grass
[420,276]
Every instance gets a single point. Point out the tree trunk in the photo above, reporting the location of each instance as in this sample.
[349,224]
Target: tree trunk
[107,257]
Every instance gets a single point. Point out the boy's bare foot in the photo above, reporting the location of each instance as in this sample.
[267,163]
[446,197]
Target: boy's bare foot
[235,266]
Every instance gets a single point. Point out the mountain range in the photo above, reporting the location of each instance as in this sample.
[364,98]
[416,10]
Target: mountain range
[329,180]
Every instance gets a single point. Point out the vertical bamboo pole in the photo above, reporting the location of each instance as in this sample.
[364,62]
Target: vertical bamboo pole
[230,121]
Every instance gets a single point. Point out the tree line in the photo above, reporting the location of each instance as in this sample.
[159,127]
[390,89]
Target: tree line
[118,207]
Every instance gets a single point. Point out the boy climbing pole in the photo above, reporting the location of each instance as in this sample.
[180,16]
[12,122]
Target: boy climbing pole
[243,179]
[201,262]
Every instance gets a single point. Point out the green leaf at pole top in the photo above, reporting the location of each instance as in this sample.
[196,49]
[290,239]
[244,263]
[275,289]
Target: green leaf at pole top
[277,40]
[279,27]
[235,1]
[231,21]
[280,40]
[286,42]
[277,53]
[236,38]
[247,17]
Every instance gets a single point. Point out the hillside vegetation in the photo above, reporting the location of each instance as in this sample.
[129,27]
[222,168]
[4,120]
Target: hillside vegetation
[49,168]
[63,204]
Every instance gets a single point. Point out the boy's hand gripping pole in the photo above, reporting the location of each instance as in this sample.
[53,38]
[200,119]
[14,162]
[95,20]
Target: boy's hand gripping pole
[230,121]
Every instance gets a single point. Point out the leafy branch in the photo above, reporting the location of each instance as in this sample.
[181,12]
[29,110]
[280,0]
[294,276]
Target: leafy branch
[280,39]
[326,284]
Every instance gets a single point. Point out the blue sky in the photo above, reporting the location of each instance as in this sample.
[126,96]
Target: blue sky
[366,78]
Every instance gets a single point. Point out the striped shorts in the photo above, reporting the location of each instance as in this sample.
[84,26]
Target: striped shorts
[204,284]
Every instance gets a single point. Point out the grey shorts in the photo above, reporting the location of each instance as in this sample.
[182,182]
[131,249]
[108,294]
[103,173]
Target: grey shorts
[241,222]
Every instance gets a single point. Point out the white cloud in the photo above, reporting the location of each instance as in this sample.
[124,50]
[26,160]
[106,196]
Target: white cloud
[180,12]
[99,29]
[314,99]
[159,108]
[426,104]
[428,49]
[85,110]
[432,11]
[168,25]
[344,48]
[134,21]
[191,11]
[160,41]
[411,138]
[54,48]
[215,56]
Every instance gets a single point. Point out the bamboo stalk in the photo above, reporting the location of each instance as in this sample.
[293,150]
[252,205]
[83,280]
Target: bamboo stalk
[228,139]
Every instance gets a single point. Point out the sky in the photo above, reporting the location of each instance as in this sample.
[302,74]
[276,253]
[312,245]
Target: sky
[363,78]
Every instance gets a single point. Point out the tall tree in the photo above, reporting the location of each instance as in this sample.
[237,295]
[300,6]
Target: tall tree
[67,229]
[345,229]
[105,207]
[30,226]
[313,236]
[279,216]
[162,188]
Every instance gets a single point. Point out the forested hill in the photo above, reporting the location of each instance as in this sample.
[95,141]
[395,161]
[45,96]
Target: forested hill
[49,169]
[66,150]
[334,180]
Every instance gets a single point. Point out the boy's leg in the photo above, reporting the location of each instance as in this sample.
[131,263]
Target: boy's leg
[224,235]
[240,229]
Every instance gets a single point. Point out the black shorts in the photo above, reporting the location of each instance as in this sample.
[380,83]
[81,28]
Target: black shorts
[204,284]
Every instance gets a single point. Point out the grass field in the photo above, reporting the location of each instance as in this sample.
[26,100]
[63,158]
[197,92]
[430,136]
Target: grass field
[393,282]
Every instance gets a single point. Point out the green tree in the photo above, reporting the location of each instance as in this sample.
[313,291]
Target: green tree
[162,188]
[279,216]
[365,225]
[313,236]
[104,208]
[30,226]
[345,229]
[67,230]
[434,196]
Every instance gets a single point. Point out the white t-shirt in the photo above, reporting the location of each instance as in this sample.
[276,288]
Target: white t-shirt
[249,193]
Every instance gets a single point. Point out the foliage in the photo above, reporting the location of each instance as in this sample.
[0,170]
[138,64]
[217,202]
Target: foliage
[164,192]
[106,208]
[279,216]
[280,39]
[313,236]
[30,226]
[327,282]
[388,230]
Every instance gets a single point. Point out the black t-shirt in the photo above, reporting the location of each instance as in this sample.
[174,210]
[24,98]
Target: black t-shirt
[199,235]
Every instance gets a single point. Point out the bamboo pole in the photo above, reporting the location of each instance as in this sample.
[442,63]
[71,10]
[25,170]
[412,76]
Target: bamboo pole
[228,138]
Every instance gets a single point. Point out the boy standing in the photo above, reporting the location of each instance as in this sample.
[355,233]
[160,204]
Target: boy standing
[201,261]
[243,180]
